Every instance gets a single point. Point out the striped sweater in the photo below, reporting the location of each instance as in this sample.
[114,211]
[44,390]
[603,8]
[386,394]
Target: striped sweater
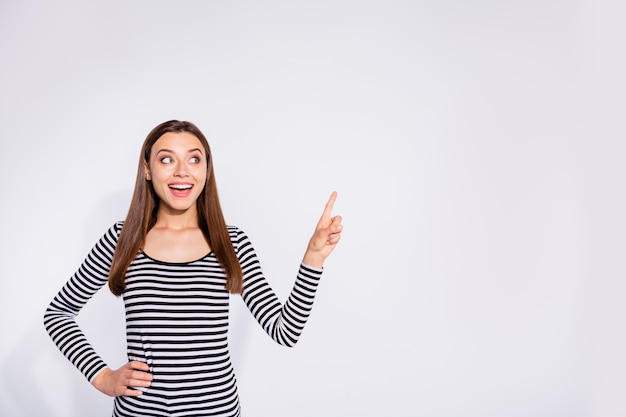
[177,322]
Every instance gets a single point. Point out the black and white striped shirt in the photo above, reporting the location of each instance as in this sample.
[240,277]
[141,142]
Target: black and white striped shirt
[177,322]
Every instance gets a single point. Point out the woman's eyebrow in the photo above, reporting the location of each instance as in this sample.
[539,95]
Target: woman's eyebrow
[171,151]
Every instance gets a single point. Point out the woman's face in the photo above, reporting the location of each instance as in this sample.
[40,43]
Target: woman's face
[177,170]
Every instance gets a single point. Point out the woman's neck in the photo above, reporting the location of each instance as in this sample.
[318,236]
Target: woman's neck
[177,220]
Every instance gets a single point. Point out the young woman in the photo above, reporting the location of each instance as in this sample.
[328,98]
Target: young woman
[174,261]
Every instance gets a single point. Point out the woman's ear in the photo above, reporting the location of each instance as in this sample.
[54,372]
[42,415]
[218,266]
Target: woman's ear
[147,171]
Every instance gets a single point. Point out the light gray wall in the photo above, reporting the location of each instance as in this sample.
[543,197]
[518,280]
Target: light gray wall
[477,148]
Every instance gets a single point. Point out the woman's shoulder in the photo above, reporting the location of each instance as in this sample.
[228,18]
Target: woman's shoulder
[108,240]
[234,232]
[117,226]
[237,236]
[114,231]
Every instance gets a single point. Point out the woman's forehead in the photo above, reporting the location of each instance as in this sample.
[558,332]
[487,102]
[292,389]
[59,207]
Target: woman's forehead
[178,142]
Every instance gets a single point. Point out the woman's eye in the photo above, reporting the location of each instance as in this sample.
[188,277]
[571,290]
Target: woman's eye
[194,160]
[166,159]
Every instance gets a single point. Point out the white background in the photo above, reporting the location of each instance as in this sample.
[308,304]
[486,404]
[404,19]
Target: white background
[477,148]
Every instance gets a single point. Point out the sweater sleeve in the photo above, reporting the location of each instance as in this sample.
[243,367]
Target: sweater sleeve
[282,322]
[60,316]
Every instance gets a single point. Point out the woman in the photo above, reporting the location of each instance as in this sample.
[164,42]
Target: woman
[174,262]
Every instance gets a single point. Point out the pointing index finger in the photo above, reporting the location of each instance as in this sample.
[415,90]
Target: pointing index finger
[328,210]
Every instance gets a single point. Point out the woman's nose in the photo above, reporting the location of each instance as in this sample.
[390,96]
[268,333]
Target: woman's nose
[181,170]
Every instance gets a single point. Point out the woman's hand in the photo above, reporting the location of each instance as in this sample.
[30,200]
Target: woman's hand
[119,382]
[326,236]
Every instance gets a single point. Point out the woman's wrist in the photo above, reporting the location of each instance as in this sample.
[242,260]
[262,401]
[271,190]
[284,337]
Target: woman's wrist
[98,380]
[313,260]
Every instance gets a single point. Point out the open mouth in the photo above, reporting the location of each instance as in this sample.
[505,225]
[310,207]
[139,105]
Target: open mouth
[180,190]
[181,187]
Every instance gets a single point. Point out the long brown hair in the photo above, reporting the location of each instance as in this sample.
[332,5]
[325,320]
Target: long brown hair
[142,216]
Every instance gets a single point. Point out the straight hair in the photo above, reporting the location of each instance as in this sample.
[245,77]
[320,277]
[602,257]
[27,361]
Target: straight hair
[144,205]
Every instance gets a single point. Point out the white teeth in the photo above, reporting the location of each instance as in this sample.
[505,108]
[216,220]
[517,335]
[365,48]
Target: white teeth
[181,186]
